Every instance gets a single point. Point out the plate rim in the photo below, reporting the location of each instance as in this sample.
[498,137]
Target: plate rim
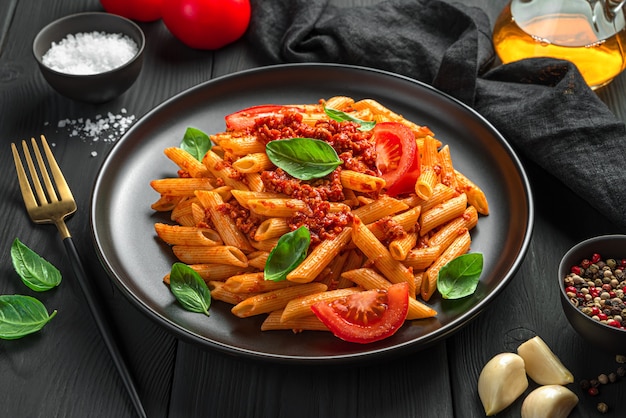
[437,336]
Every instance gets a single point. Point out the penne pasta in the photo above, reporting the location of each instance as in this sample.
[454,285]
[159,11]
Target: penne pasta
[319,258]
[221,254]
[216,165]
[309,323]
[231,209]
[455,227]
[447,174]
[360,182]
[253,163]
[421,258]
[253,283]
[442,213]
[187,162]
[166,203]
[271,228]
[379,208]
[185,186]
[400,247]
[475,195]
[187,235]
[258,259]
[394,271]
[239,145]
[254,182]
[274,300]
[277,207]
[301,307]
[458,247]
[342,103]
[218,292]
[227,228]
[217,272]
[243,196]
[354,260]
[331,274]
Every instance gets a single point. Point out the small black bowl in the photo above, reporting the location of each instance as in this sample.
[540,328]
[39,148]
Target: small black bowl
[92,88]
[604,336]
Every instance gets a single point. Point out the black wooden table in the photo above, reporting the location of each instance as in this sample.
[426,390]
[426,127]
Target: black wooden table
[65,370]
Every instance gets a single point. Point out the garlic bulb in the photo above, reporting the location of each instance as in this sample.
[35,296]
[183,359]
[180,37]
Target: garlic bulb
[553,401]
[501,382]
[542,365]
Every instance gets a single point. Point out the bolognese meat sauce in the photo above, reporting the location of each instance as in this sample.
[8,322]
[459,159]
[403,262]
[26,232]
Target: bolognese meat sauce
[353,147]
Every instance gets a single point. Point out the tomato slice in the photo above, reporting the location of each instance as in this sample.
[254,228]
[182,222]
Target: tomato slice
[397,157]
[245,118]
[367,316]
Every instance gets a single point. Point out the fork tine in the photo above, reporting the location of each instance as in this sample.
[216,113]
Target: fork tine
[27,192]
[33,175]
[62,186]
[52,194]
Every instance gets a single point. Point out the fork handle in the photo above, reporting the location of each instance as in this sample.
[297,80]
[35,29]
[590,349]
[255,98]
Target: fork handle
[98,313]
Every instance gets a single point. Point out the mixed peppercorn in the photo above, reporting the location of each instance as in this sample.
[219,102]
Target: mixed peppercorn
[598,289]
[592,386]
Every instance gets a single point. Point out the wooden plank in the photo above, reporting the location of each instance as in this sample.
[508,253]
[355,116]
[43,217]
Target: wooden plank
[7,11]
[409,386]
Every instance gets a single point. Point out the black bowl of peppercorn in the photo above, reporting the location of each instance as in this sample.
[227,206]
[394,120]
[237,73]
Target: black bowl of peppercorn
[592,278]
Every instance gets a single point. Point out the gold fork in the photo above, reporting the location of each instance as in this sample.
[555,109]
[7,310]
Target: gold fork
[52,204]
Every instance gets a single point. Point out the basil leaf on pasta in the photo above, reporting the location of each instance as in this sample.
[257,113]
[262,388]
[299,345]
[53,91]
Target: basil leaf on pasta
[196,143]
[190,289]
[459,278]
[288,253]
[303,158]
[340,116]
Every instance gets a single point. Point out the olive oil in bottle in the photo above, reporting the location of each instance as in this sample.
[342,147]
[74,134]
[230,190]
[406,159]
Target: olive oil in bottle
[589,33]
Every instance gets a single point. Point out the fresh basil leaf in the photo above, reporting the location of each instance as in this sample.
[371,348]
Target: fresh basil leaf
[303,158]
[21,315]
[459,278]
[189,289]
[36,273]
[288,253]
[340,116]
[196,142]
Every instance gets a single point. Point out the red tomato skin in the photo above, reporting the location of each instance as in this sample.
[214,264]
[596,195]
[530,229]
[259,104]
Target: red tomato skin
[386,326]
[245,118]
[140,10]
[207,24]
[401,179]
[406,184]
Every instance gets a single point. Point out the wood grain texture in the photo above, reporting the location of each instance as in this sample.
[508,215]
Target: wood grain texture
[242,388]
[7,10]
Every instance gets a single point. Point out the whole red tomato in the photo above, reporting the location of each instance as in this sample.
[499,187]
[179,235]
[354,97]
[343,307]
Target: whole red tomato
[206,24]
[141,10]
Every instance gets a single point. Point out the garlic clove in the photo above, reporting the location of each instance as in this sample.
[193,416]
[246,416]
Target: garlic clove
[501,381]
[542,365]
[554,401]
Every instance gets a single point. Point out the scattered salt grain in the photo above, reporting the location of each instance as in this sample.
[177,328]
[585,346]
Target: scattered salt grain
[107,128]
[90,53]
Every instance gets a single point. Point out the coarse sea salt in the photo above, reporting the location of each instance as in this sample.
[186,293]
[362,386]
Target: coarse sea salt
[108,128]
[87,53]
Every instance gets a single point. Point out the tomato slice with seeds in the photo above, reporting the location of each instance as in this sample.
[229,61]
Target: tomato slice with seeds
[397,157]
[245,118]
[367,316]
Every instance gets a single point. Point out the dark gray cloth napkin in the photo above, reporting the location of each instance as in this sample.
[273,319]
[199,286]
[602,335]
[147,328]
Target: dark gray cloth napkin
[542,106]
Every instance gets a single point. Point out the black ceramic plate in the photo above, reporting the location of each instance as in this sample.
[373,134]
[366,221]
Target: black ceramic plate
[122,221]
